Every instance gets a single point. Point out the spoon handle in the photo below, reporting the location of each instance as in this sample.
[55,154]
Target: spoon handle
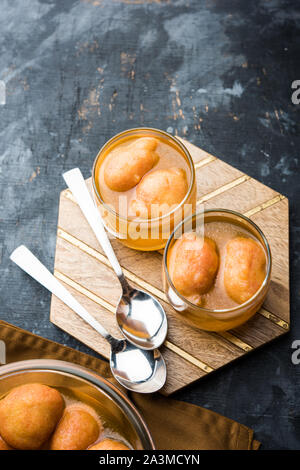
[76,184]
[32,266]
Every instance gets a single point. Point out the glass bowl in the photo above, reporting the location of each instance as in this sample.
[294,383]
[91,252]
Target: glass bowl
[137,233]
[216,319]
[119,411]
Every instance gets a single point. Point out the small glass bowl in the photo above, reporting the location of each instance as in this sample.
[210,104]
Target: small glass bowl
[216,319]
[119,411]
[137,233]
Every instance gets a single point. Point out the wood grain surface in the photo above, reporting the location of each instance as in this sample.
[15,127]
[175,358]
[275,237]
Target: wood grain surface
[189,353]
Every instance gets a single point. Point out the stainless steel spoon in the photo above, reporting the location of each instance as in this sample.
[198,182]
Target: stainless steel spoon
[140,316]
[136,369]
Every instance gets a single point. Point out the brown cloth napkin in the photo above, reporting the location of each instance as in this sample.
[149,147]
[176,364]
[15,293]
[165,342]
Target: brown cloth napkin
[173,424]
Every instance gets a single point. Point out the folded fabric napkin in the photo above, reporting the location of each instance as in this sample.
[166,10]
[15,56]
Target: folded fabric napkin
[173,424]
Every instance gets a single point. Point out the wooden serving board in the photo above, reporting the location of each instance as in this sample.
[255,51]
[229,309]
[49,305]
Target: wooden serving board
[189,353]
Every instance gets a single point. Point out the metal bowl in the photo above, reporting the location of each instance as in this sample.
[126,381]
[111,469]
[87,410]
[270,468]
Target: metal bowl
[118,408]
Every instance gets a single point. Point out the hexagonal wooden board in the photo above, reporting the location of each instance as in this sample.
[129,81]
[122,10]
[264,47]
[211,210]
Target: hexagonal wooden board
[189,353]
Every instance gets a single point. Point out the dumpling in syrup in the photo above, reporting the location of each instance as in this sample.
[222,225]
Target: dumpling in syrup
[245,268]
[29,414]
[109,444]
[126,166]
[77,429]
[158,192]
[193,265]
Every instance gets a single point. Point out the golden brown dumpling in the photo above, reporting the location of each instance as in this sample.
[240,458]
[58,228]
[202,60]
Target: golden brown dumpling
[29,414]
[77,429]
[4,445]
[125,167]
[162,188]
[245,268]
[109,444]
[193,265]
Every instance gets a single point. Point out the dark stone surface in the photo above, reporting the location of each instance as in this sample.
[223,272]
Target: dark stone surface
[218,72]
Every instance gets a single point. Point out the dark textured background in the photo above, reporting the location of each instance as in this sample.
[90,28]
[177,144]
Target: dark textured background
[218,72]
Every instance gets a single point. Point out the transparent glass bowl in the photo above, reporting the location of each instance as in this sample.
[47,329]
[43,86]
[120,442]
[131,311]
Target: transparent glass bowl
[219,319]
[118,408]
[134,232]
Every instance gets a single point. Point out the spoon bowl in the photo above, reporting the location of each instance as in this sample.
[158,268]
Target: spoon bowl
[141,318]
[137,370]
